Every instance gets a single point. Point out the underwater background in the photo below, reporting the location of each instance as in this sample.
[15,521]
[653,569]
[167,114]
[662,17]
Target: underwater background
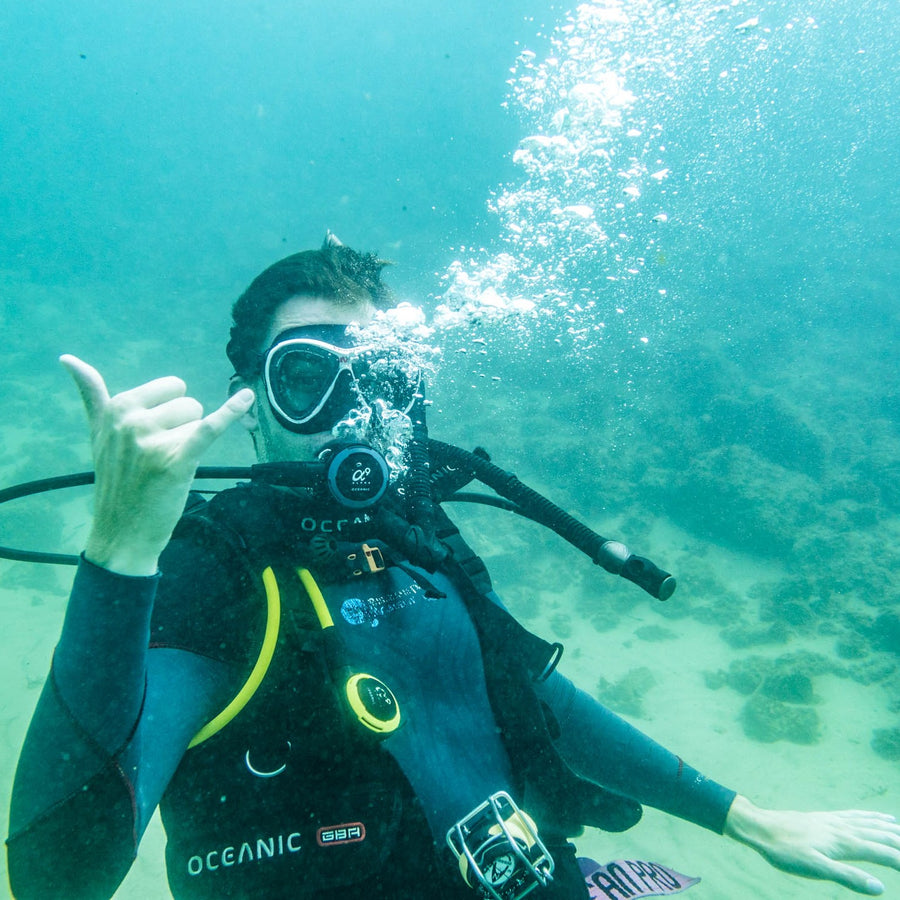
[658,245]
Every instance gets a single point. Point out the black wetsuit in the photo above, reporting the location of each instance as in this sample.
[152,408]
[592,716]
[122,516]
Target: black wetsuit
[289,799]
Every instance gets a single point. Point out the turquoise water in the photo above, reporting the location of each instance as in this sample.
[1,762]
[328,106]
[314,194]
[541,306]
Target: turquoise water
[659,244]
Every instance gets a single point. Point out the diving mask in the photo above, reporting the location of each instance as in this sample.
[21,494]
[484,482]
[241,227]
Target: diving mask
[316,374]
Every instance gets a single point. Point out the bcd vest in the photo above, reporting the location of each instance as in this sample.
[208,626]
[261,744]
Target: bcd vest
[293,799]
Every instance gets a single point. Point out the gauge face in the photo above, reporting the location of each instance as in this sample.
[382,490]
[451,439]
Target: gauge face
[358,477]
[500,870]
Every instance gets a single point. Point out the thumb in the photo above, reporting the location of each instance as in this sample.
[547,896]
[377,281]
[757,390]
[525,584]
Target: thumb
[218,421]
[90,385]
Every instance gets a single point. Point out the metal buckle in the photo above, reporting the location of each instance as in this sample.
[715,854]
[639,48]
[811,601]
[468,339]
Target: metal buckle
[499,851]
[552,663]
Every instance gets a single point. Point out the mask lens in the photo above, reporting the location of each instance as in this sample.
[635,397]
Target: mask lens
[313,383]
[299,378]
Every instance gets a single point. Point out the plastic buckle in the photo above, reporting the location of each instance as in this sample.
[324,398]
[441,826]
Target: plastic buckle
[374,560]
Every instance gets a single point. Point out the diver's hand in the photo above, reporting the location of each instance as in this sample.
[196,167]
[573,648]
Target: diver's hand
[146,444]
[816,844]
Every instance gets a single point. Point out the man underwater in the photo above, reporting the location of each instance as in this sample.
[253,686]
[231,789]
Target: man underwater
[225,664]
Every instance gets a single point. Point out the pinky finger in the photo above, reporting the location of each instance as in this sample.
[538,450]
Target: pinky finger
[855,879]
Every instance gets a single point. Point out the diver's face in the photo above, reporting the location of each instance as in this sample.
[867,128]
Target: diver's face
[274,442]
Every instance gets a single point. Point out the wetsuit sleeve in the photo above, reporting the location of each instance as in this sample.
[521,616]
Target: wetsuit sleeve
[604,748]
[85,784]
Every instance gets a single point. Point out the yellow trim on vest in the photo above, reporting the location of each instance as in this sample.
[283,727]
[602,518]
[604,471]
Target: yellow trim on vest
[315,595]
[9,877]
[352,686]
[266,652]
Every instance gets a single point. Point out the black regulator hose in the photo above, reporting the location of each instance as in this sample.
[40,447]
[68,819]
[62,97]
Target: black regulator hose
[613,556]
[78,479]
[431,462]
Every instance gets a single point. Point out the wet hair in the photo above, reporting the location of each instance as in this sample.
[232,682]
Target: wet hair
[334,272]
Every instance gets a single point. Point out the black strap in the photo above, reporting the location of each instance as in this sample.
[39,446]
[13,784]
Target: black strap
[514,659]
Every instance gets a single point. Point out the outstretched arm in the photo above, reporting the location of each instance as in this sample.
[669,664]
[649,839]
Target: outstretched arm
[819,844]
[605,748]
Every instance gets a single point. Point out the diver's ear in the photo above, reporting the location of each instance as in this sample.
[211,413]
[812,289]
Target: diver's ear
[250,419]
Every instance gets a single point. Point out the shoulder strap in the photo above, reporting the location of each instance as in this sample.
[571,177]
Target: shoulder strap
[514,659]
[471,577]
[467,559]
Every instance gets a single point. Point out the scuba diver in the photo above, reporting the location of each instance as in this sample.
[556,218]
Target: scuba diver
[310,673]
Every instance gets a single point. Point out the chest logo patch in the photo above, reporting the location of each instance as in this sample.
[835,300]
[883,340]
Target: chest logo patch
[335,835]
[370,610]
